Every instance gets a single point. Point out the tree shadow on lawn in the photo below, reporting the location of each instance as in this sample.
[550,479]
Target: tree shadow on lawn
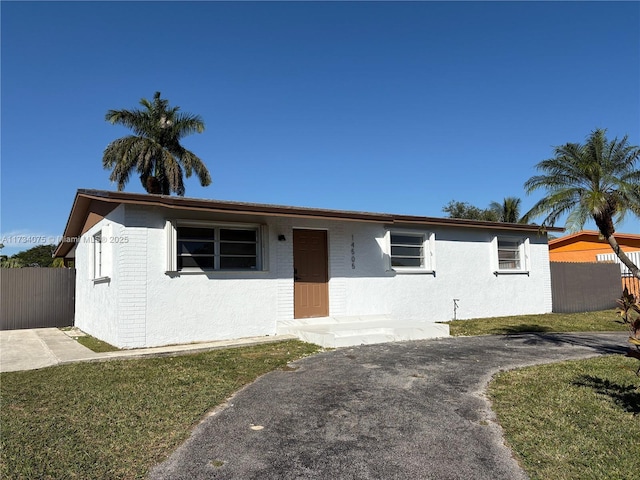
[593,341]
[516,329]
[625,396]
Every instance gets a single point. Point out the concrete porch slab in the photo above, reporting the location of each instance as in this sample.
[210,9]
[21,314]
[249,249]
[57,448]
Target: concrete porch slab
[336,332]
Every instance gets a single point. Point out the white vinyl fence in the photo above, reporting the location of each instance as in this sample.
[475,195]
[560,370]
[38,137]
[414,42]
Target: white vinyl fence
[613,258]
[631,283]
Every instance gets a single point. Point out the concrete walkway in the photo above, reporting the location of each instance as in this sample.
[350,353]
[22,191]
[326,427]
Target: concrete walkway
[30,349]
[408,410]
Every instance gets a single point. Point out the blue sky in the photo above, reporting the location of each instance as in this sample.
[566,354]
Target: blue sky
[394,107]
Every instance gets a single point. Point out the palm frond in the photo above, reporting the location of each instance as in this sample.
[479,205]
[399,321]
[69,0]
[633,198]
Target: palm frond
[155,150]
[597,179]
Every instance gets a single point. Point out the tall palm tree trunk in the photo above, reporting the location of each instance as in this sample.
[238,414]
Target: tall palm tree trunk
[152,185]
[635,271]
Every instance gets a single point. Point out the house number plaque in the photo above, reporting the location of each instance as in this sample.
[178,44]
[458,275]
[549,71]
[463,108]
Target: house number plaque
[353,253]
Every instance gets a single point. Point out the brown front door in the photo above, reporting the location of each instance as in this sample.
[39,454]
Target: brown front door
[311,274]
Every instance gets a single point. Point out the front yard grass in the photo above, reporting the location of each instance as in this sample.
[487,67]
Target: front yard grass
[572,420]
[601,321]
[117,419]
[92,343]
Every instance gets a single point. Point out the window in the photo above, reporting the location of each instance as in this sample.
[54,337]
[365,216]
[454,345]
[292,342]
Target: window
[411,251]
[97,255]
[511,255]
[407,250]
[200,246]
[508,255]
[196,248]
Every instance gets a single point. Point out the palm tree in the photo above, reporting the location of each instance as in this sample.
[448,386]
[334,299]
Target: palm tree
[508,211]
[154,152]
[598,179]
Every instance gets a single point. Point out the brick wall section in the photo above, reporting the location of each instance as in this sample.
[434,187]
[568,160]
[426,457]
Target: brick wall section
[339,261]
[282,264]
[132,285]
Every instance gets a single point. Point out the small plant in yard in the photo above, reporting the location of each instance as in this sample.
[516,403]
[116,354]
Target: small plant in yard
[629,312]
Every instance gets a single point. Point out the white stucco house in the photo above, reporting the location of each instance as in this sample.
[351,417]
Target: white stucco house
[155,270]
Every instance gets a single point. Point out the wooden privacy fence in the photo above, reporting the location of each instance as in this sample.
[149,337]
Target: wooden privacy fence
[36,297]
[632,284]
[584,287]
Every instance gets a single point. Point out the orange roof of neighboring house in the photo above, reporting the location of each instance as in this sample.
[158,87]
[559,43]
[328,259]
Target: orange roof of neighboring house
[584,246]
[592,236]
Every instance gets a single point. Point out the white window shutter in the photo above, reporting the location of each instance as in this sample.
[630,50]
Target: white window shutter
[172,247]
[431,252]
[526,261]
[263,243]
[386,250]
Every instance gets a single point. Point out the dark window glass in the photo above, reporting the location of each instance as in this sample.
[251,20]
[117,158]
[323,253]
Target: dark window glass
[237,235]
[217,248]
[406,239]
[406,262]
[194,247]
[238,249]
[205,263]
[406,251]
[228,263]
[195,233]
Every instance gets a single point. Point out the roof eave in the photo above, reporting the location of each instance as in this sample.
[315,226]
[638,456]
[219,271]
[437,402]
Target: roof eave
[85,198]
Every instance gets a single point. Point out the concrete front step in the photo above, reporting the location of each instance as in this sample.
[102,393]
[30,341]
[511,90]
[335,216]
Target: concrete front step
[338,319]
[362,331]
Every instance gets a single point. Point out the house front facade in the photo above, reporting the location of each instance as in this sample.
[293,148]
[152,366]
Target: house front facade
[156,270]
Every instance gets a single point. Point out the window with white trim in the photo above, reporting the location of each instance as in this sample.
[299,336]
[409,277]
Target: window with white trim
[511,255]
[411,251]
[97,255]
[198,246]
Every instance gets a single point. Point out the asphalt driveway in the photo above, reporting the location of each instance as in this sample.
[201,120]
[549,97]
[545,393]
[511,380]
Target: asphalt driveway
[410,410]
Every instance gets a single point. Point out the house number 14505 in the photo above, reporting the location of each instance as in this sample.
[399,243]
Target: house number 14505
[353,253]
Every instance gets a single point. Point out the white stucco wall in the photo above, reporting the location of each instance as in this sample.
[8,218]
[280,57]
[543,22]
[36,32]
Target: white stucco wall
[143,305]
[463,271]
[96,302]
[204,306]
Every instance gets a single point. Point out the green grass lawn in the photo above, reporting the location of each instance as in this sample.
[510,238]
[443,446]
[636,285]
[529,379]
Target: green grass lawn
[116,419]
[92,343]
[572,420]
[601,321]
